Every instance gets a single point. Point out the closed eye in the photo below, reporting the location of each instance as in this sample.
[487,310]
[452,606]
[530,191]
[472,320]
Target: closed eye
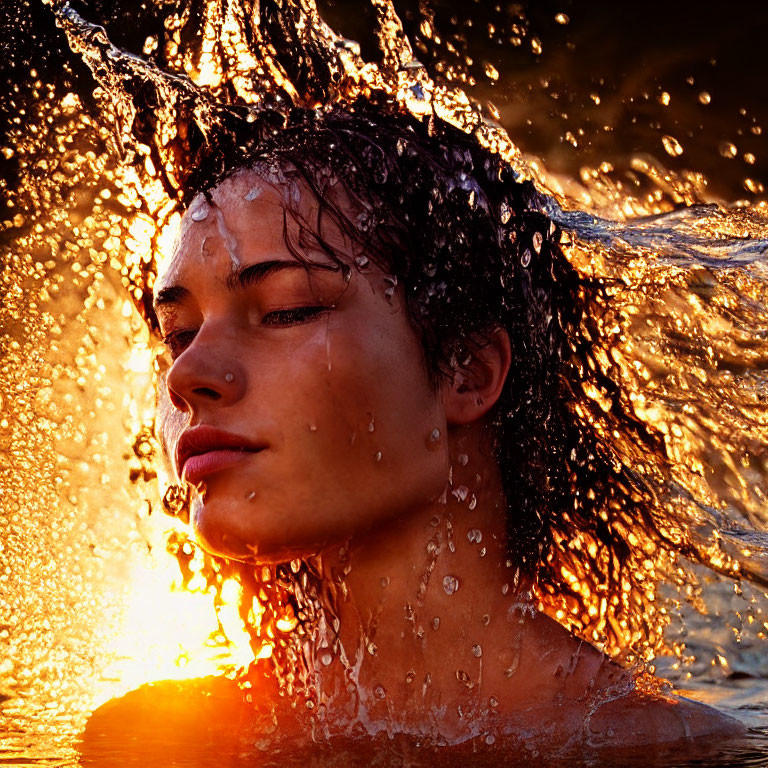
[294,316]
[178,341]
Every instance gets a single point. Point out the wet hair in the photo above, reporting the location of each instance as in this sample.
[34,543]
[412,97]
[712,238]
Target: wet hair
[471,245]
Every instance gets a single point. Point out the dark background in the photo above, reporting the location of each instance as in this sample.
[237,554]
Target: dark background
[626,54]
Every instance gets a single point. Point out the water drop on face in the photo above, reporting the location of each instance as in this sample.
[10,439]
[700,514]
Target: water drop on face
[505,589]
[436,623]
[326,657]
[486,619]
[482,552]
[537,240]
[377,456]
[726,149]
[493,701]
[490,739]
[371,648]
[251,495]
[525,259]
[463,459]
[296,565]
[505,213]
[461,493]
[385,582]
[477,650]
[450,584]
[391,282]
[435,435]
[379,692]
[472,502]
[475,536]
[200,213]
[252,194]
[313,427]
[362,261]
[410,676]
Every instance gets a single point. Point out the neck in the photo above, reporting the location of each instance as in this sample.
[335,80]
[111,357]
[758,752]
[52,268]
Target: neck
[425,598]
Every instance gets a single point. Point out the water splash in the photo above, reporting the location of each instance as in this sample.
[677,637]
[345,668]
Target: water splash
[677,328]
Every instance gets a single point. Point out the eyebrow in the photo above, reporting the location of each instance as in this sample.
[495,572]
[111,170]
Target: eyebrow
[241,277]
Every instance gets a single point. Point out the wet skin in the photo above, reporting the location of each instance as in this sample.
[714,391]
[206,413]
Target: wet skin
[385,478]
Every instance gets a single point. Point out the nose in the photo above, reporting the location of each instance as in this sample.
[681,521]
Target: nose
[206,374]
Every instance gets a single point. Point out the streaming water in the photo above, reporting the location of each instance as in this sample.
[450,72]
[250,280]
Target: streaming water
[667,222]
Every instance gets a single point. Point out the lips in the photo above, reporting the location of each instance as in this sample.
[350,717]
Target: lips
[205,450]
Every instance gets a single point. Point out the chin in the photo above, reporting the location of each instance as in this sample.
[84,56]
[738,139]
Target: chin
[226,530]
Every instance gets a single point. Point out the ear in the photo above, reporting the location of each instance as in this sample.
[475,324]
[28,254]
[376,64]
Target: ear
[477,386]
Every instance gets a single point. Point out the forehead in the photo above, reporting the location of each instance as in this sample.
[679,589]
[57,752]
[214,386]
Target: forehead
[249,218]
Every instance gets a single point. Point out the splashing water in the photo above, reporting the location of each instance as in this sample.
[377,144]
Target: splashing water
[677,352]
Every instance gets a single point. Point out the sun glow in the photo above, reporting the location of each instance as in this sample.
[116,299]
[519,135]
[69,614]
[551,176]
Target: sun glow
[168,631]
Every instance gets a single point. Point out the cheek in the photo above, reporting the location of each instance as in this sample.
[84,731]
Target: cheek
[170,423]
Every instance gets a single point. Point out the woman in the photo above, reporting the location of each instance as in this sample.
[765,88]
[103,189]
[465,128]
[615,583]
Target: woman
[371,330]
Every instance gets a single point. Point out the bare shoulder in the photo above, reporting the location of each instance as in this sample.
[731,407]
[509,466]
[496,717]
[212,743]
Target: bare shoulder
[639,718]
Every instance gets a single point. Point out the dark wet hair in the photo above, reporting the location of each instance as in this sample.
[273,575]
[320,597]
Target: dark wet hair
[470,243]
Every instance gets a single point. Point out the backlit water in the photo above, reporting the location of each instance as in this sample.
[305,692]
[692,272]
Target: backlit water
[646,128]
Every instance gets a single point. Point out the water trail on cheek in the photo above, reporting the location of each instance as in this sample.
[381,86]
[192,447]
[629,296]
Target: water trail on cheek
[328,343]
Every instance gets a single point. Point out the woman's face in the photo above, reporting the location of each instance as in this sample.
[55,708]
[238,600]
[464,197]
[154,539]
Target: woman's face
[327,423]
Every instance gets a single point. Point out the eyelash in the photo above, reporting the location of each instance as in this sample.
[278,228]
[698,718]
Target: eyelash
[178,341]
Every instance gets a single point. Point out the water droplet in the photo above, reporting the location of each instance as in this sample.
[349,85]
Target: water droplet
[493,701]
[313,427]
[326,657]
[410,676]
[525,259]
[251,495]
[749,158]
[200,213]
[536,46]
[562,18]
[296,565]
[450,584]
[229,377]
[371,425]
[385,582]
[505,589]
[463,459]
[664,98]
[486,619]
[362,261]
[379,692]
[435,435]
[462,676]
[472,502]
[726,149]
[391,282]
[252,194]
[377,456]
[477,650]
[537,240]
[482,552]
[672,146]
[490,739]
[461,493]
[505,213]
[310,704]
[704,98]
[491,72]
[436,623]
[475,536]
